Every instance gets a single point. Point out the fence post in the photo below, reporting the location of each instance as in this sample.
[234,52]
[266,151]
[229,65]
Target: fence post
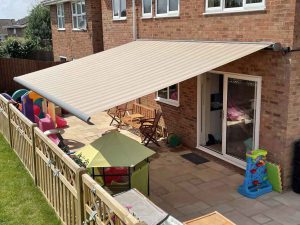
[34,154]
[9,125]
[79,188]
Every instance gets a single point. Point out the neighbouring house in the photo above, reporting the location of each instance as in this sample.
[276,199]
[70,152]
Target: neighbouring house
[76,28]
[3,30]
[17,28]
[252,102]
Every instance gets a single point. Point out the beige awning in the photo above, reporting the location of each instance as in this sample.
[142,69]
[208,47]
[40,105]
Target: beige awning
[122,74]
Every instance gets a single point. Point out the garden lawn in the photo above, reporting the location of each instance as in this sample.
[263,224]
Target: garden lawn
[21,202]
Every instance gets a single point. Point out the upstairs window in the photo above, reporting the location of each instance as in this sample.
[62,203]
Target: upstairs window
[167,8]
[234,5]
[147,8]
[79,15]
[119,9]
[169,95]
[60,16]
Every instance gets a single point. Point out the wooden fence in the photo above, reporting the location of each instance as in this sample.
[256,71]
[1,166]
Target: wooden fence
[10,68]
[70,191]
[59,178]
[101,207]
[4,122]
[22,138]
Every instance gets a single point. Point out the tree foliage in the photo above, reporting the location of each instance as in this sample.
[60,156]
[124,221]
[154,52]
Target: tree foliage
[39,26]
[16,48]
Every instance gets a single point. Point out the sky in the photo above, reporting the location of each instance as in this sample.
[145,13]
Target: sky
[15,9]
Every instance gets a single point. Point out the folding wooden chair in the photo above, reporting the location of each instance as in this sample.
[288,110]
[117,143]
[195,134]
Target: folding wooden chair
[117,113]
[148,129]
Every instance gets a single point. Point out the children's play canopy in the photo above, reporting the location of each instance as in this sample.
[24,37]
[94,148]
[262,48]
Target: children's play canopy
[113,77]
[114,150]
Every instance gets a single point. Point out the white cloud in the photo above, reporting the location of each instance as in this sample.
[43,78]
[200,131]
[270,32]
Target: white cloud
[16,9]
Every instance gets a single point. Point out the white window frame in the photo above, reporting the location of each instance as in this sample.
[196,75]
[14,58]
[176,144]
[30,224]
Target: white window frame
[169,13]
[147,15]
[82,14]
[60,16]
[168,100]
[119,17]
[246,7]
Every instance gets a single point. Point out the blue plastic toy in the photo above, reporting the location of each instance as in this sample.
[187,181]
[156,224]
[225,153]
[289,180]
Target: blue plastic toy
[256,181]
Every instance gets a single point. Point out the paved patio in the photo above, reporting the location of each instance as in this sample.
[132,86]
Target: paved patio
[187,191]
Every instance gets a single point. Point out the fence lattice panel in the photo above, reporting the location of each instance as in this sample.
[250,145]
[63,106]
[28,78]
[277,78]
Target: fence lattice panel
[22,138]
[59,178]
[101,208]
[4,121]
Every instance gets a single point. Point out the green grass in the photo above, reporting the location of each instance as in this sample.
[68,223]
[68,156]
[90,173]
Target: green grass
[21,202]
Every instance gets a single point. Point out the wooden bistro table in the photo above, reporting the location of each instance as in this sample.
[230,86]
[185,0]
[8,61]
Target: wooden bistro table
[214,218]
[133,120]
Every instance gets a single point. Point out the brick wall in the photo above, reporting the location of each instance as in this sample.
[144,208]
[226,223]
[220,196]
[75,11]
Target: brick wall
[280,106]
[275,24]
[76,44]
[116,32]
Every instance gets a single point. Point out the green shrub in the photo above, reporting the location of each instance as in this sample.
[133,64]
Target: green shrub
[17,48]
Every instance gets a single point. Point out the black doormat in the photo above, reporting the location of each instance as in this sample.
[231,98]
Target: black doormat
[194,158]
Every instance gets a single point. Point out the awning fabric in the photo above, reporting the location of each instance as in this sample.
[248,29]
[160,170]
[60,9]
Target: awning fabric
[114,150]
[122,74]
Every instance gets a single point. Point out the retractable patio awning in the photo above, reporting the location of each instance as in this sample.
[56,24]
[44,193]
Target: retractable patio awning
[122,74]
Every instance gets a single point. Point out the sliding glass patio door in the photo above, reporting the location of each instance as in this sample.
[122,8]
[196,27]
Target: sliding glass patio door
[240,116]
[230,108]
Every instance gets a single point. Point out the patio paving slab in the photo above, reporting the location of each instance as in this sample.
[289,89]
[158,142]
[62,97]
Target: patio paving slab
[248,207]
[188,191]
[239,218]
[289,199]
[261,219]
[271,202]
[284,215]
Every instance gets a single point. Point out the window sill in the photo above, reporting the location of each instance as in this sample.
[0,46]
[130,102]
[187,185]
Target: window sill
[79,30]
[147,17]
[119,19]
[61,29]
[166,16]
[235,11]
[169,102]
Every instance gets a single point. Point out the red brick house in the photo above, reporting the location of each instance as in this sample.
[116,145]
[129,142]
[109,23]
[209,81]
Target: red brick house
[76,28]
[253,102]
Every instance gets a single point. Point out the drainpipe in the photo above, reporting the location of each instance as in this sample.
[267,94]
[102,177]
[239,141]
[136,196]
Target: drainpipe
[134,30]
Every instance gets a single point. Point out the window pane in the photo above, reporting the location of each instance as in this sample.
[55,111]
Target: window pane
[162,6]
[123,8]
[78,8]
[173,5]
[147,6]
[74,8]
[83,7]
[116,7]
[58,9]
[75,22]
[62,10]
[59,23]
[62,22]
[163,93]
[233,3]
[81,22]
[173,92]
[253,1]
[214,3]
